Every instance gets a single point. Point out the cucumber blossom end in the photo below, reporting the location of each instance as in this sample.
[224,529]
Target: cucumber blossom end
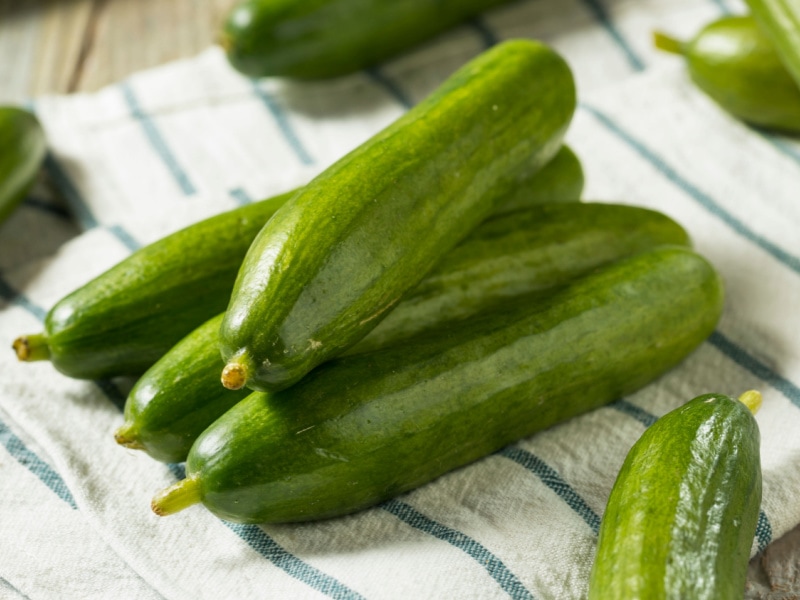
[176,497]
[234,375]
[126,436]
[30,348]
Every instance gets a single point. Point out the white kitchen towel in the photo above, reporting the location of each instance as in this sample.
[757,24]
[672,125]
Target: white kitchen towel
[184,141]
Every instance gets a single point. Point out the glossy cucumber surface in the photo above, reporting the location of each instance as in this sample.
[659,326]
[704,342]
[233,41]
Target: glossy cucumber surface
[331,264]
[733,61]
[121,322]
[682,514]
[507,256]
[326,38]
[22,149]
[364,428]
[781,22]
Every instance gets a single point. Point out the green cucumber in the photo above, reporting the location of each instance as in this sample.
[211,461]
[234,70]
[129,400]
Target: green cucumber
[331,264]
[504,257]
[781,21]
[364,428]
[734,63]
[22,150]
[123,321]
[326,38]
[682,514]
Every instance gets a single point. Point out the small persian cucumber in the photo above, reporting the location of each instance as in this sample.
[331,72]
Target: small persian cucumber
[22,150]
[680,520]
[344,251]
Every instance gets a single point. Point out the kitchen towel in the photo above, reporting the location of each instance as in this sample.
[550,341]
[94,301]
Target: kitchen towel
[181,142]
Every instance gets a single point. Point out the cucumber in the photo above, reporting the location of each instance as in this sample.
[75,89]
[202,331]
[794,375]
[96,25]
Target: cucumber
[506,256]
[363,428]
[123,321]
[22,149]
[734,63]
[682,514]
[781,22]
[331,264]
[325,38]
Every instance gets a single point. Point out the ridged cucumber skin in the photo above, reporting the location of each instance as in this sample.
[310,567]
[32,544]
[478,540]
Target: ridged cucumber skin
[781,21]
[344,250]
[22,150]
[506,256]
[121,322]
[733,62]
[682,514]
[364,428]
[325,38]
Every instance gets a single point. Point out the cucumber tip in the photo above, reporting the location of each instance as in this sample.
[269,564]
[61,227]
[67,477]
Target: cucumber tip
[30,348]
[124,437]
[176,497]
[752,400]
[234,376]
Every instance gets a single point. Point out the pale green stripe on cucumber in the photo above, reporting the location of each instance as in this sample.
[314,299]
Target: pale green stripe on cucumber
[450,396]
[509,255]
[342,253]
[683,511]
[781,22]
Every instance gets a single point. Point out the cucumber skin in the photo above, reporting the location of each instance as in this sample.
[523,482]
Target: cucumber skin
[781,22]
[506,256]
[361,429]
[669,530]
[124,320]
[344,251]
[22,150]
[326,38]
[733,62]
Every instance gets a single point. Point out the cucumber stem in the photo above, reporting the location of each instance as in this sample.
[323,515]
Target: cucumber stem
[124,436]
[30,348]
[176,497]
[752,400]
[234,376]
[667,43]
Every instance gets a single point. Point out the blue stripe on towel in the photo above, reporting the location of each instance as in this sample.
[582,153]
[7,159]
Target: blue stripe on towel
[9,587]
[240,195]
[493,565]
[763,531]
[13,297]
[644,417]
[599,12]
[125,237]
[784,257]
[35,464]
[157,141]
[741,357]
[763,528]
[71,194]
[390,86]
[293,566]
[722,6]
[782,146]
[554,481]
[283,123]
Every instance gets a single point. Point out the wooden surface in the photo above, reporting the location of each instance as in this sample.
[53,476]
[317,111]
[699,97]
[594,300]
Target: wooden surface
[62,46]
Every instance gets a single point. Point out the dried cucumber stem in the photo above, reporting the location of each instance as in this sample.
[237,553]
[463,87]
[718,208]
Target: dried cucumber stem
[124,436]
[667,43]
[30,348]
[234,376]
[176,497]
[752,400]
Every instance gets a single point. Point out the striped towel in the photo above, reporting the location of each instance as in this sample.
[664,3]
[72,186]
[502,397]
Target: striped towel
[184,141]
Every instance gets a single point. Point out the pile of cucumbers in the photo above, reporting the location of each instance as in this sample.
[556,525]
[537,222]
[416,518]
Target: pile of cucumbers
[433,296]
[749,64]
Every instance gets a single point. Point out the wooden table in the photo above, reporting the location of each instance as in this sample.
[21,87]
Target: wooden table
[65,46]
